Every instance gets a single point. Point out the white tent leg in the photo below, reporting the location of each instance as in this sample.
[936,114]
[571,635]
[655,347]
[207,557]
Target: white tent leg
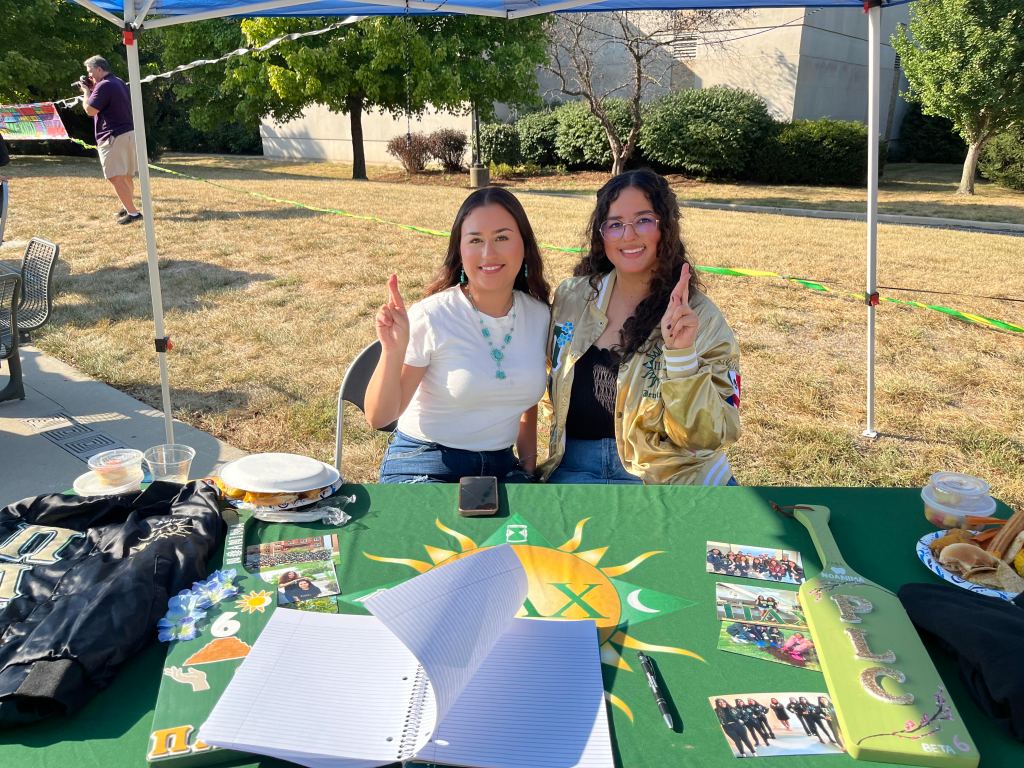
[142,154]
[874,100]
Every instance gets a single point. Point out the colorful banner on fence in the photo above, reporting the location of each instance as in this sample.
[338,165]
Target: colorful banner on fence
[19,122]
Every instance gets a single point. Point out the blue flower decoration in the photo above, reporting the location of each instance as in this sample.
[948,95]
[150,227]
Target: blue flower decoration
[185,603]
[220,586]
[183,629]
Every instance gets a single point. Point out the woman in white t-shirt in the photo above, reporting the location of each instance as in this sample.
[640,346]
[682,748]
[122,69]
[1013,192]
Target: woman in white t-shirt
[463,370]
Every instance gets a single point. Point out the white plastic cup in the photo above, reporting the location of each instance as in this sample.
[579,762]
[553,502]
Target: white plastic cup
[170,462]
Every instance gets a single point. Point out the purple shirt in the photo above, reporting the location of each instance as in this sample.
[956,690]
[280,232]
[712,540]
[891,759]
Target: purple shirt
[110,96]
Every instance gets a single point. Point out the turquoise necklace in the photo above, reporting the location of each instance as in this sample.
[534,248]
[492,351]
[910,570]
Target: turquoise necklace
[497,354]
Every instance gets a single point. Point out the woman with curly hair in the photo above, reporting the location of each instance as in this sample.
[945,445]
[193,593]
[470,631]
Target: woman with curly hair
[644,377]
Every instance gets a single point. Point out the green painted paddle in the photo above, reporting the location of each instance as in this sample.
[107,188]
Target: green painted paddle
[890,701]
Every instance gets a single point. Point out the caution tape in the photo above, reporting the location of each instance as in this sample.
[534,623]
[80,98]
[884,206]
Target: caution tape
[814,285]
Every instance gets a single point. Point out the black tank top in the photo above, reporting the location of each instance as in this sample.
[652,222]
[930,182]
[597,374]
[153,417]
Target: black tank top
[592,402]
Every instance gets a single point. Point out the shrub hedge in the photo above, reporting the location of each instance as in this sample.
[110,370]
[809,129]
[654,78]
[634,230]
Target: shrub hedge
[499,143]
[448,146]
[813,152]
[413,150]
[928,139]
[711,132]
[538,133]
[581,141]
[1002,159]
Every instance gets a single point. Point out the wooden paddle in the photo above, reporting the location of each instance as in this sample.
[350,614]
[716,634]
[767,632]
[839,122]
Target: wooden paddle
[890,701]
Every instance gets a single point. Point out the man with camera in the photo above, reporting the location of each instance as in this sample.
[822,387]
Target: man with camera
[106,99]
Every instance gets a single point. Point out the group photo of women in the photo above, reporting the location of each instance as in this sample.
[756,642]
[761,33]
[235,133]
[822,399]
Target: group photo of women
[634,364]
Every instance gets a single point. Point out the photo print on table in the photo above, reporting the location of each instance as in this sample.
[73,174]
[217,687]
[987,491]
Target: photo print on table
[272,554]
[778,724]
[757,604]
[769,642]
[782,566]
[300,582]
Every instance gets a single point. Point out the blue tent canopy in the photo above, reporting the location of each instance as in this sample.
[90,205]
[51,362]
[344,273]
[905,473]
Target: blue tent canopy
[156,13]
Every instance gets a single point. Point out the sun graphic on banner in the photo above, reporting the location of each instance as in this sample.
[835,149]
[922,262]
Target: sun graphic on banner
[566,582]
[254,601]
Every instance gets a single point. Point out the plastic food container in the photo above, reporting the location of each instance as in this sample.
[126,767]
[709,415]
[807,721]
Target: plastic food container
[90,484]
[950,497]
[118,467]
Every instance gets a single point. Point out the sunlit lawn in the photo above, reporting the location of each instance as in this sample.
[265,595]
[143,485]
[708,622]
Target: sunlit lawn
[268,303]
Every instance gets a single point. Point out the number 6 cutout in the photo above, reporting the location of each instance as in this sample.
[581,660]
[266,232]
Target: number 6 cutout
[225,625]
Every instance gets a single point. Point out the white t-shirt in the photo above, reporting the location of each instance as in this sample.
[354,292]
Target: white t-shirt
[461,403]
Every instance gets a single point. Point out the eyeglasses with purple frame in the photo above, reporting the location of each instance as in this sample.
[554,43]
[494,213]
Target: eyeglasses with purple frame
[613,229]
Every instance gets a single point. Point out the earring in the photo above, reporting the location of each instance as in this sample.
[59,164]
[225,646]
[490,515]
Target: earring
[462,276]
[526,270]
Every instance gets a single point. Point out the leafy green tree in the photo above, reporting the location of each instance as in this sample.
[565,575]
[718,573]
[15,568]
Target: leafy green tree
[391,64]
[43,44]
[964,60]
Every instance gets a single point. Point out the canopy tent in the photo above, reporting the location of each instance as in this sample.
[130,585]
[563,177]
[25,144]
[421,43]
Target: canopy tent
[135,15]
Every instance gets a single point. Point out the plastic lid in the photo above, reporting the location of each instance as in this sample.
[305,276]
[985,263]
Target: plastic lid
[115,458]
[90,484]
[278,473]
[955,482]
[976,506]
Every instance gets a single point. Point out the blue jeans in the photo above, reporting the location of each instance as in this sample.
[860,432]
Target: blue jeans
[409,460]
[595,462]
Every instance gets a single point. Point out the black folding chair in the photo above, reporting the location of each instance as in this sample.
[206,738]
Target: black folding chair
[353,390]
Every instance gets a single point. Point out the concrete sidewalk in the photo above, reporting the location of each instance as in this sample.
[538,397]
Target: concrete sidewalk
[66,417]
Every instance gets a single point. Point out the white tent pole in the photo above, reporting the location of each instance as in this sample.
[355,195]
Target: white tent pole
[874,101]
[142,154]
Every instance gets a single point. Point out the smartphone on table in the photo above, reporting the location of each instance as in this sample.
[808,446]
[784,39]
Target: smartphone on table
[478,496]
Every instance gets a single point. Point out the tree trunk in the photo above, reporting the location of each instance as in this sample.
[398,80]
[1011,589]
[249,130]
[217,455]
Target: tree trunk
[355,113]
[970,168]
[618,165]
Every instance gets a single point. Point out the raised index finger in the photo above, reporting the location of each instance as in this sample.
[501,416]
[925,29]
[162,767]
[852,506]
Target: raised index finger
[682,289]
[393,295]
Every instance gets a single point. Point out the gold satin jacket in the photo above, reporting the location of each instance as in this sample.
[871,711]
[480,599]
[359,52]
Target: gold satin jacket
[675,409]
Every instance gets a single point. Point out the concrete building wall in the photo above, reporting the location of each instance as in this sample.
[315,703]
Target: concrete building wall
[805,63]
[325,135]
[752,56]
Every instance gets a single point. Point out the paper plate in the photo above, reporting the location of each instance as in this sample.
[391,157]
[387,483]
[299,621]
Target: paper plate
[933,565]
[278,473]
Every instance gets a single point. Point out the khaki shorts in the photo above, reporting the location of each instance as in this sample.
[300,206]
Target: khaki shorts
[117,156]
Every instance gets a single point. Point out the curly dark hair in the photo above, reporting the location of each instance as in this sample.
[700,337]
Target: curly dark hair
[671,257]
[448,275]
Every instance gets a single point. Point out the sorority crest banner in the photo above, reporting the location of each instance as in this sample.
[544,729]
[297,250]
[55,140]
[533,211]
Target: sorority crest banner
[31,121]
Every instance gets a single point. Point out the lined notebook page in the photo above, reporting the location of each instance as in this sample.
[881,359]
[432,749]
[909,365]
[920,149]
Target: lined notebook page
[451,617]
[538,700]
[335,686]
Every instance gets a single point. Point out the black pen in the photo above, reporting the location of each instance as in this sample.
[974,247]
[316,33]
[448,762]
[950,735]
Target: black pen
[648,668]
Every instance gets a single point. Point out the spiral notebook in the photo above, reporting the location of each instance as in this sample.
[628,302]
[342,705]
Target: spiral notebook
[442,672]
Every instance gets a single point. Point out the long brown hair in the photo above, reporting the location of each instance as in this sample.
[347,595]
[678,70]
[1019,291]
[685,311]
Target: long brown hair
[670,257]
[533,283]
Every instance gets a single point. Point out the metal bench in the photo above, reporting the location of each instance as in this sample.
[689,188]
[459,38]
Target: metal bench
[4,202]
[36,286]
[9,297]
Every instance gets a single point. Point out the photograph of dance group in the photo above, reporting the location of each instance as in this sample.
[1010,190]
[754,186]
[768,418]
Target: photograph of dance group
[764,623]
[747,562]
[778,724]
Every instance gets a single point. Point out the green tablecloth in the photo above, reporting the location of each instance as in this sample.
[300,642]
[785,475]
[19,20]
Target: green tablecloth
[876,529]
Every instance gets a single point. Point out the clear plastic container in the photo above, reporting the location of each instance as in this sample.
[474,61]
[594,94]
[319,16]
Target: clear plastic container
[950,497]
[117,467]
[90,484]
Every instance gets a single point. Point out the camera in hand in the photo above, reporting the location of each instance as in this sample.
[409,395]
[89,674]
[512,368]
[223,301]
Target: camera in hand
[85,81]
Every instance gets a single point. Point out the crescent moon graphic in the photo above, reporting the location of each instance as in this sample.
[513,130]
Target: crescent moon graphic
[634,601]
